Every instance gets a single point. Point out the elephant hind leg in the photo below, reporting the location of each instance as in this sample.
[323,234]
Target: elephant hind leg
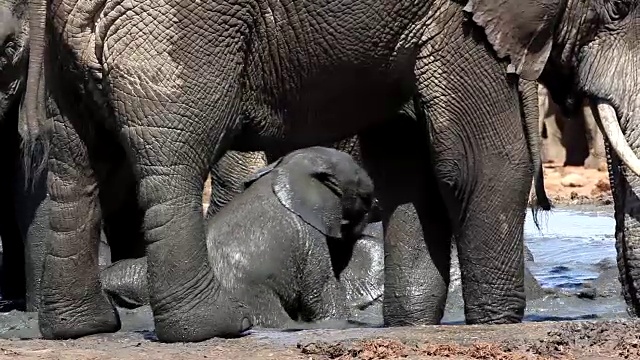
[73,304]
[417,229]
[173,147]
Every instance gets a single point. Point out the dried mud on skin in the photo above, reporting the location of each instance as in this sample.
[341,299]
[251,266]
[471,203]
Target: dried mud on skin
[613,339]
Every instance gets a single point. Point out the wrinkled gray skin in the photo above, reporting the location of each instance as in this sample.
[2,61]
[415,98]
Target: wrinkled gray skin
[263,76]
[23,204]
[307,212]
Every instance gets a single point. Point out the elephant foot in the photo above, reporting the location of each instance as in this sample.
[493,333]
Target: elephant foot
[92,317]
[73,304]
[493,317]
[212,314]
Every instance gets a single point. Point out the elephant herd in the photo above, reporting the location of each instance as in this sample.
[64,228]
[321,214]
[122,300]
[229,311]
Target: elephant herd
[114,113]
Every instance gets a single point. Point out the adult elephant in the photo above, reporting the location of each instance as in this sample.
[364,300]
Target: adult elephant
[205,78]
[573,141]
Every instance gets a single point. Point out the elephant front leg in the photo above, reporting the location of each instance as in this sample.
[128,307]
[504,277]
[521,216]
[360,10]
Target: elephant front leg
[32,207]
[416,227]
[187,299]
[172,149]
[490,242]
[486,177]
[73,303]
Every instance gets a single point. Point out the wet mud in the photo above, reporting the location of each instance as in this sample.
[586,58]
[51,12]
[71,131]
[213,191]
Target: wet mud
[613,339]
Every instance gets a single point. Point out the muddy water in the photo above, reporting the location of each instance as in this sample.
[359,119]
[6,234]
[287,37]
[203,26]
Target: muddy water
[574,260]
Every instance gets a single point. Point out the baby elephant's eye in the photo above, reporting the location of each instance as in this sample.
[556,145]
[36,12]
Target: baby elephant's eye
[618,9]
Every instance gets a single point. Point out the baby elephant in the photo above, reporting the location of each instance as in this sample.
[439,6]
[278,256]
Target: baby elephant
[285,244]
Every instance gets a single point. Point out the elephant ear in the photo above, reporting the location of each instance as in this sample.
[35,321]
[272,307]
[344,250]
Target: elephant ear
[520,29]
[249,180]
[311,194]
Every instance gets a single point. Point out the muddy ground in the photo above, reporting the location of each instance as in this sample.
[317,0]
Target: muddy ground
[573,185]
[615,339]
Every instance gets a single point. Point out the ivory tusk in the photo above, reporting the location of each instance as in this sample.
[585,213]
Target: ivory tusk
[607,120]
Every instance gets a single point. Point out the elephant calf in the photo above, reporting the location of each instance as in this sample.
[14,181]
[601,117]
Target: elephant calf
[290,246]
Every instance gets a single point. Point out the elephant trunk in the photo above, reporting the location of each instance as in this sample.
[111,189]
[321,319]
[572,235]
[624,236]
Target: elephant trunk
[32,115]
[125,282]
[624,170]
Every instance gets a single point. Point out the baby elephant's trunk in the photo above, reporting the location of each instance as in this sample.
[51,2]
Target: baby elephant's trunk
[126,282]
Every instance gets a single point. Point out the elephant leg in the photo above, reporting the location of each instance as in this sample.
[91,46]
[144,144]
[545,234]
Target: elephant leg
[486,176]
[73,303]
[32,206]
[487,182]
[36,208]
[553,149]
[597,158]
[228,175]
[416,228]
[186,298]
[484,167]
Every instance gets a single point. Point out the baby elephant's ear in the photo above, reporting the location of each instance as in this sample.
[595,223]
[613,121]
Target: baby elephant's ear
[260,173]
[312,196]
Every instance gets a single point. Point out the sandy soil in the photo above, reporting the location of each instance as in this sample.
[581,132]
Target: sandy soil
[577,185]
[615,339]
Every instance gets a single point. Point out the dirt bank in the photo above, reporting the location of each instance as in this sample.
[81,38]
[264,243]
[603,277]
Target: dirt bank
[573,185]
[615,339]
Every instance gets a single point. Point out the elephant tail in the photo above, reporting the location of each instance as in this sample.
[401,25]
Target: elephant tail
[539,199]
[33,121]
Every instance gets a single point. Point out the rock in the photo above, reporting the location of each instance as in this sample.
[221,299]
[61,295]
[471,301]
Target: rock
[528,255]
[608,284]
[587,293]
[573,180]
[604,265]
[603,186]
